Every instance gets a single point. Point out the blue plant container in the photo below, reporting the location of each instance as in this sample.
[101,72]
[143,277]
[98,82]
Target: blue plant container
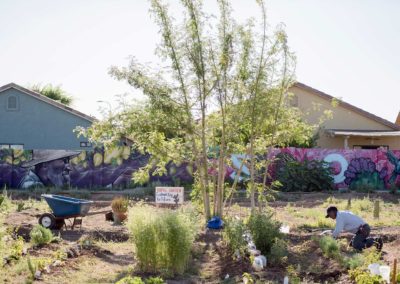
[215,223]
[63,206]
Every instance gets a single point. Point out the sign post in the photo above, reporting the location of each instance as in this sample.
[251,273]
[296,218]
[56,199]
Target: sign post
[169,195]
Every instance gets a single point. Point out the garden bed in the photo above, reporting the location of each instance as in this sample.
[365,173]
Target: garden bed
[110,255]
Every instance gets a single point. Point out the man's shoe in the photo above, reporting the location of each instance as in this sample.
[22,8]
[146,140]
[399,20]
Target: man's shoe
[379,243]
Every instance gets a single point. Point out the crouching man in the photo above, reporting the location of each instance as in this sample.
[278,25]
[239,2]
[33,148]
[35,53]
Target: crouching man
[348,222]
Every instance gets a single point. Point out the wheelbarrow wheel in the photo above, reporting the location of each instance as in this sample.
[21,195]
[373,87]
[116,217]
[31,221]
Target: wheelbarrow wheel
[47,220]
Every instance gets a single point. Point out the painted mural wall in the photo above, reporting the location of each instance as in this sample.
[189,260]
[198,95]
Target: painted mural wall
[351,168]
[113,168]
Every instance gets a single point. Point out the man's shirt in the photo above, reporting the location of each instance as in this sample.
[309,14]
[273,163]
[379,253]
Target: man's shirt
[347,222]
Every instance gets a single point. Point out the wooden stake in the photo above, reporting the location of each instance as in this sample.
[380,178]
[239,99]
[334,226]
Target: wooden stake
[394,273]
[349,203]
[376,209]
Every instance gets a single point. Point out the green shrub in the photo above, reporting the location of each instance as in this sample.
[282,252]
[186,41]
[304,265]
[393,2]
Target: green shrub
[279,252]
[130,280]
[305,176]
[330,247]
[17,249]
[355,261]
[32,268]
[155,280]
[40,235]
[162,240]
[359,272]
[362,276]
[20,206]
[264,230]
[120,204]
[138,280]
[293,274]
[362,205]
[233,235]
[5,201]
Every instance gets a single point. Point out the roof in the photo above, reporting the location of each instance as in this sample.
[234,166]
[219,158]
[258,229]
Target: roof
[47,100]
[358,133]
[398,119]
[348,106]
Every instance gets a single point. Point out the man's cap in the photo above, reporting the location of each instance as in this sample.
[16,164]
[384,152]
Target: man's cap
[330,209]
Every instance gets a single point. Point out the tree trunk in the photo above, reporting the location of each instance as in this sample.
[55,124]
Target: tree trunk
[252,175]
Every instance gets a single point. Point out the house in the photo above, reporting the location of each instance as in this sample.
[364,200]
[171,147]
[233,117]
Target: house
[29,120]
[350,127]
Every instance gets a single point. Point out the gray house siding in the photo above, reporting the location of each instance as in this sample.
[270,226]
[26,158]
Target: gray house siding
[37,124]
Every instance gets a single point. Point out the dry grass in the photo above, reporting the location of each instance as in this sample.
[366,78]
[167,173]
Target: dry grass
[301,215]
[110,261]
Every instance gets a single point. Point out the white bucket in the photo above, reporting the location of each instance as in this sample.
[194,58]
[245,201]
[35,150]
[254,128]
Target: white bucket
[384,271]
[264,260]
[374,268]
[286,280]
[258,264]
[284,229]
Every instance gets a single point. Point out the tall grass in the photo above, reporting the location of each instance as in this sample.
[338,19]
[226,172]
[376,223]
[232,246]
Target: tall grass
[162,239]
[233,235]
[264,230]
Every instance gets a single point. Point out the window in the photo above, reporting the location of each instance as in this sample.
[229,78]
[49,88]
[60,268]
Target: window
[12,146]
[370,147]
[12,103]
[85,144]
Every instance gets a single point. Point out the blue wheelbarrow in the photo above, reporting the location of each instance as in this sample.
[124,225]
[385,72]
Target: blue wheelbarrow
[64,208]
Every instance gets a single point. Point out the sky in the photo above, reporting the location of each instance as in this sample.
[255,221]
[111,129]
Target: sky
[347,48]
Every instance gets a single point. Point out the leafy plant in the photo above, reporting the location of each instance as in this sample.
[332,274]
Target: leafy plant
[154,280]
[20,206]
[362,276]
[40,235]
[4,200]
[330,247]
[293,274]
[32,268]
[162,241]
[120,204]
[130,280]
[354,261]
[17,248]
[279,252]
[233,234]
[360,273]
[247,278]
[305,176]
[61,255]
[264,230]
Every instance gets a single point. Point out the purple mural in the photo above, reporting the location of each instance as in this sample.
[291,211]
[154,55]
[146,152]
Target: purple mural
[99,168]
[113,168]
[353,168]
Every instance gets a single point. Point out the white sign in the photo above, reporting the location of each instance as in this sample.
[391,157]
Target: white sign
[169,195]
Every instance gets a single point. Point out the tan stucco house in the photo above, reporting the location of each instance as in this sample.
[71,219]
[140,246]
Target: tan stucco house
[350,127]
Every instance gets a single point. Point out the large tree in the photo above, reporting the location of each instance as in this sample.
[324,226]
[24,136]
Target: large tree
[223,90]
